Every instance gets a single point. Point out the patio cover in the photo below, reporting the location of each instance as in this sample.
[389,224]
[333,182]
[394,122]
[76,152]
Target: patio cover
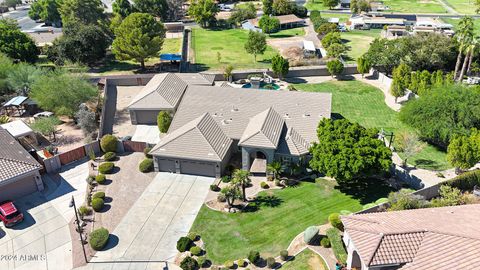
[16,101]
[18,128]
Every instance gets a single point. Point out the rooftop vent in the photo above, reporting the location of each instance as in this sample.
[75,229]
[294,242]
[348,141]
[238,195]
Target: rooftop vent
[227,121]
[286,116]
[306,115]
[234,109]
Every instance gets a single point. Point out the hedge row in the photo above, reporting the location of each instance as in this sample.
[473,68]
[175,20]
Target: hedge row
[337,245]
[465,181]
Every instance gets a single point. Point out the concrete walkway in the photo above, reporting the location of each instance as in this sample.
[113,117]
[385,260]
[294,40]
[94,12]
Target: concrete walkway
[148,234]
[42,240]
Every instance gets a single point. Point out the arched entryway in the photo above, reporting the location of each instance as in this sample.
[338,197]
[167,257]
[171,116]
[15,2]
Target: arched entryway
[258,163]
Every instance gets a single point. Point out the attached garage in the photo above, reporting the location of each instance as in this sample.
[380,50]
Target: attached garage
[166,165]
[144,117]
[18,188]
[198,168]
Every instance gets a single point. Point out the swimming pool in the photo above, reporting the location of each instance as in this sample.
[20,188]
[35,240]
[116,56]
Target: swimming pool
[264,86]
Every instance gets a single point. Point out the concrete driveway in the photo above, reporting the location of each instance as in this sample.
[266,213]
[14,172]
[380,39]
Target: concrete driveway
[150,230]
[42,240]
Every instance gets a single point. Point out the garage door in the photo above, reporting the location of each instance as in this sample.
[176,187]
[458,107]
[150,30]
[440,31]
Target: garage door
[146,117]
[198,168]
[166,165]
[18,189]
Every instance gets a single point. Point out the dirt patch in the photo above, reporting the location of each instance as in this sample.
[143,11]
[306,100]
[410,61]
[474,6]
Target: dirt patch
[69,136]
[122,125]
[315,263]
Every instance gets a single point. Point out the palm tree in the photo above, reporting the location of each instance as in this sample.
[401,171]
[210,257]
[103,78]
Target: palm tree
[241,179]
[276,168]
[473,48]
[464,36]
[231,193]
[468,52]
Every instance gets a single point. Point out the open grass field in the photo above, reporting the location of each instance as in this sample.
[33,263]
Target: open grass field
[287,33]
[229,43]
[315,5]
[415,6]
[462,6]
[455,22]
[364,104]
[358,42]
[343,17]
[306,260]
[271,223]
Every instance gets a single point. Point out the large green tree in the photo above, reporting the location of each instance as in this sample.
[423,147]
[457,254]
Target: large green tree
[348,151]
[80,43]
[283,7]
[269,24]
[138,37]
[280,66]
[62,92]
[267,7]
[46,10]
[464,151]
[46,126]
[464,36]
[445,111]
[243,13]
[203,11]
[336,50]
[256,44]
[363,65]
[384,54]
[6,66]
[16,44]
[401,81]
[122,7]
[81,11]
[331,38]
[157,8]
[22,76]
[331,3]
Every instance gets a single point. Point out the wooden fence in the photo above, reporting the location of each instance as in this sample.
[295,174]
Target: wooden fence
[72,155]
[131,146]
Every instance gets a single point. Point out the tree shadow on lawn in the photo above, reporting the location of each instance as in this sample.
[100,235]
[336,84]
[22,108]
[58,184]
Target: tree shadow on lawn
[429,164]
[268,200]
[366,190]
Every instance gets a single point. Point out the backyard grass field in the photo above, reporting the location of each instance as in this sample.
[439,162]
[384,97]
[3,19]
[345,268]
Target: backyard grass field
[358,42]
[415,6]
[287,33]
[271,223]
[462,6]
[306,260]
[230,44]
[364,104]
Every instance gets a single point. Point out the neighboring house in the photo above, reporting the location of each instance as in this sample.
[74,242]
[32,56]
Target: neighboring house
[286,22]
[211,124]
[19,171]
[444,238]
[163,93]
[377,21]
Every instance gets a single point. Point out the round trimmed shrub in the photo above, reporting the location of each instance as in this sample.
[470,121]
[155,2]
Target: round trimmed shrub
[221,198]
[325,242]
[196,250]
[83,210]
[284,254]
[189,263]
[146,165]
[99,238]
[105,167]
[109,156]
[264,185]
[226,179]
[99,194]
[229,264]
[90,179]
[184,244]
[214,188]
[97,204]
[100,179]
[310,233]
[202,261]
[146,152]
[253,256]
[335,221]
[241,262]
[108,143]
[271,262]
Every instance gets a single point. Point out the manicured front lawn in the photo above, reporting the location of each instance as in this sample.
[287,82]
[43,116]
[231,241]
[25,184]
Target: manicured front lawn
[364,104]
[299,31]
[231,45]
[306,260]
[275,220]
[414,6]
[358,42]
[462,6]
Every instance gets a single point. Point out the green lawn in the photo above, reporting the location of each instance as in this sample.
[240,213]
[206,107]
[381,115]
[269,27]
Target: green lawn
[415,6]
[306,260]
[358,42]
[277,217]
[343,17]
[364,104]
[230,43]
[288,33]
[172,45]
[454,22]
[315,5]
[462,6]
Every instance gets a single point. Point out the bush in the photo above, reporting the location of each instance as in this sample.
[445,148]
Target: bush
[465,181]
[195,251]
[325,242]
[146,165]
[97,204]
[277,183]
[270,178]
[164,119]
[333,235]
[189,263]
[100,179]
[108,143]
[109,156]
[99,238]
[90,179]
[202,261]
[193,236]
[226,179]
[83,210]
[310,233]
[271,262]
[229,264]
[284,254]
[99,194]
[105,167]
[335,221]
[241,262]
[214,187]
[253,256]
[184,244]
[221,197]
[146,152]
[264,185]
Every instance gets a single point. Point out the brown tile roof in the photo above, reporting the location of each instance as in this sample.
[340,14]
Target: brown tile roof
[14,159]
[431,238]
[263,130]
